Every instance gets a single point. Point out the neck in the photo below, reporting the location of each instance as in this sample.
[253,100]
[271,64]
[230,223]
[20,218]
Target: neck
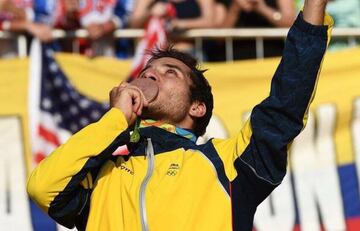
[170,127]
[185,123]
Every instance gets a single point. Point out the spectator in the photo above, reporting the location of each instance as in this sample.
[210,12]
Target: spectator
[60,14]
[123,9]
[100,18]
[18,16]
[221,10]
[346,13]
[190,14]
[258,14]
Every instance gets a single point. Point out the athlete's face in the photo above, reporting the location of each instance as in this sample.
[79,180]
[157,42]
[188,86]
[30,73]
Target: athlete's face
[173,79]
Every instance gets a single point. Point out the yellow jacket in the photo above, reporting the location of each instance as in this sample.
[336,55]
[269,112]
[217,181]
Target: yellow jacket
[168,182]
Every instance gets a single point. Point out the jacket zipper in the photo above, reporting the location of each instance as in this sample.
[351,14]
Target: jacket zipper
[144,183]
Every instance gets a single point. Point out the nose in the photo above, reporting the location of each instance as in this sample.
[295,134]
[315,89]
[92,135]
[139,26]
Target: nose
[150,73]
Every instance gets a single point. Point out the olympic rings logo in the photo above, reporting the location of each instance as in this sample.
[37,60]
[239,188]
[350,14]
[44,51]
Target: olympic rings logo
[171,172]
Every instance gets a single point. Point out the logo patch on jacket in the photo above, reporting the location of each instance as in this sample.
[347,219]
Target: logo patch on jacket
[173,169]
[126,169]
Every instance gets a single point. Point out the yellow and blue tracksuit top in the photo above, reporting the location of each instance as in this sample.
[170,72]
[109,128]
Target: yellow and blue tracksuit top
[167,182]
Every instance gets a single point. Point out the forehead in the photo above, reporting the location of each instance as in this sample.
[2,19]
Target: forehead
[172,61]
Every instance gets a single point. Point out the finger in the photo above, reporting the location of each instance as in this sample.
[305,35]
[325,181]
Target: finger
[123,84]
[138,109]
[136,97]
[141,103]
[113,95]
[132,118]
[122,87]
[139,112]
[115,91]
[144,100]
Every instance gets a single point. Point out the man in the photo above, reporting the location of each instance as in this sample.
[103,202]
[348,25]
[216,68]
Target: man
[167,182]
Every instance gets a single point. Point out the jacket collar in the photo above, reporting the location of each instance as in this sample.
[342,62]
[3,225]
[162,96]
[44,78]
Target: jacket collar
[169,128]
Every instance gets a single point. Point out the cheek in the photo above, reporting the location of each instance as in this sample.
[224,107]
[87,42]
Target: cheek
[176,89]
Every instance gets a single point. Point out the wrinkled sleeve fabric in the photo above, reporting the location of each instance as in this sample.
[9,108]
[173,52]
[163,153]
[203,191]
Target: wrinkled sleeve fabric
[277,120]
[256,159]
[61,184]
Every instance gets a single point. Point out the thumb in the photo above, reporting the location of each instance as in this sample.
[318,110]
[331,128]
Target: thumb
[132,118]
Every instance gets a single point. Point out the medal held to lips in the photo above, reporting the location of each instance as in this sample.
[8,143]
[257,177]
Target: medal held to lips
[150,90]
[148,86]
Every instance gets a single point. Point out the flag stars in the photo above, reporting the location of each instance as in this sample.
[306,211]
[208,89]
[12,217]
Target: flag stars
[46,103]
[95,115]
[48,86]
[58,81]
[74,110]
[64,97]
[70,110]
[68,85]
[53,67]
[105,106]
[84,121]
[74,95]
[57,118]
[49,53]
[73,127]
[84,103]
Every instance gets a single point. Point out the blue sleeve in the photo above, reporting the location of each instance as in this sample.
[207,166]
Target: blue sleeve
[277,120]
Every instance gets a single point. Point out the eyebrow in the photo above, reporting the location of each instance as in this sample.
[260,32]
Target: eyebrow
[175,67]
[166,65]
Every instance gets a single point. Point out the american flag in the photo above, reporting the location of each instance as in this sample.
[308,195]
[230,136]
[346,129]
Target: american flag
[56,108]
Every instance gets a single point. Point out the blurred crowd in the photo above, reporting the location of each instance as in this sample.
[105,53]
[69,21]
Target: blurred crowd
[100,18]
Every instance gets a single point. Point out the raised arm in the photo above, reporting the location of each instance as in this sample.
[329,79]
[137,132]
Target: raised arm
[255,160]
[277,120]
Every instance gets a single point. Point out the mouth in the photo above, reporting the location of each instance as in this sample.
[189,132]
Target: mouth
[148,86]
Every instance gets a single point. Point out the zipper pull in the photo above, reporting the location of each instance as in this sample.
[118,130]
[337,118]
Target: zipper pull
[135,136]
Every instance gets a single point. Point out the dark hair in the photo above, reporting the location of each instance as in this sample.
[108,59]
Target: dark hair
[200,90]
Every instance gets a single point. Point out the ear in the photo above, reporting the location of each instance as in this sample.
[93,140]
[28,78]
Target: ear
[197,109]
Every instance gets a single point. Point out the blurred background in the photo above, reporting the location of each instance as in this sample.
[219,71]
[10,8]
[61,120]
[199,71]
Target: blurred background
[60,58]
[213,30]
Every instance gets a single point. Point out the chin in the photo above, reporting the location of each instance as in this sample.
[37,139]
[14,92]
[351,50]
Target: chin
[150,113]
